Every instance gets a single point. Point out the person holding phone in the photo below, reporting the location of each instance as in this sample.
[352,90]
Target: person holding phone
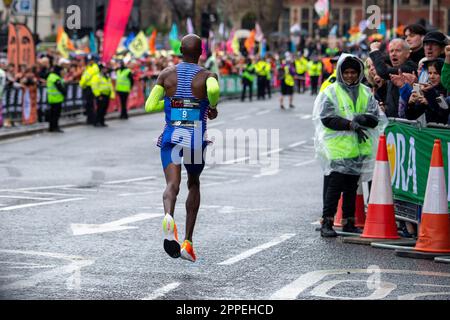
[430,98]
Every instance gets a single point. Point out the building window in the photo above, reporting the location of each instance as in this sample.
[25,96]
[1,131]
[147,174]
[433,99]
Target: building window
[285,21]
[404,2]
[346,20]
[305,14]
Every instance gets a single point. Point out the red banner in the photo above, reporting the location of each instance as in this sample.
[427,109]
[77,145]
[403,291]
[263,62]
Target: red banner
[27,51]
[115,24]
[13,47]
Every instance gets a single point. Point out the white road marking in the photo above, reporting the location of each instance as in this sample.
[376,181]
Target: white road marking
[90,189]
[431,285]
[22,206]
[217,183]
[83,229]
[27,198]
[304,163]
[295,288]
[306,116]
[73,269]
[139,193]
[45,188]
[258,249]
[382,291]
[296,144]
[161,292]
[130,180]
[42,193]
[317,223]
[241,118]
[262,112]
[243,159]
[267,173]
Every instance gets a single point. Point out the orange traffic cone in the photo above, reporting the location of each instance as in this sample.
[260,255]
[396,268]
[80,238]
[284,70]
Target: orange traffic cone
[338,216]
[360,214]
[380,219]
[434,230]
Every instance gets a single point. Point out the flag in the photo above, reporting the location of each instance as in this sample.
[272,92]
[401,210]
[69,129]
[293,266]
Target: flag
[116,21]
[175,43]
[13,47]
[63,42]
[259,35]
[27,49]
[139,45]
[323,21]
[189,26]
[129,40]
[152,42]
[92,43]
[321,7]
[235,46]
[262,48]
[250,42]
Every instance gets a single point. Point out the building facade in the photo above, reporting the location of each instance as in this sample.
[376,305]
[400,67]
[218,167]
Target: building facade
[346,13]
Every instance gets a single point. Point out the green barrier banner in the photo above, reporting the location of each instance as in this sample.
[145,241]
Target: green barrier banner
[409,150]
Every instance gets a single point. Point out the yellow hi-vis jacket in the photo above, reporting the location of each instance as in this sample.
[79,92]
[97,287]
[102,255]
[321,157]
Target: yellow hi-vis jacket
[88,75]
[102,85]
[301,65]
[331,79]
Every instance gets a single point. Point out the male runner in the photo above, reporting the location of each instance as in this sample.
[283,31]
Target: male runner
[191,94]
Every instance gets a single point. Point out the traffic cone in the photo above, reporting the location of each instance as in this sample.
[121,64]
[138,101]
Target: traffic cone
[380,219]
[338,216]
[434,229]
[360,214]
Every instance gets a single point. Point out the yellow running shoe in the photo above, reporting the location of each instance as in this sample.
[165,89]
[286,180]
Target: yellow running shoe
[171,245]
[187,251]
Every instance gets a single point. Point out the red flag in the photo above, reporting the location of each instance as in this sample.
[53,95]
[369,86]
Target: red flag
[13,47]
[152,42]
[116,21]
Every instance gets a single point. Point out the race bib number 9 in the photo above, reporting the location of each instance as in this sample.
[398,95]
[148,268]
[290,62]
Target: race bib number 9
[185,112]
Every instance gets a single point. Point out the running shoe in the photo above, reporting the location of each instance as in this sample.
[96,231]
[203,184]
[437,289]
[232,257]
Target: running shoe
[187,251]
[171,245]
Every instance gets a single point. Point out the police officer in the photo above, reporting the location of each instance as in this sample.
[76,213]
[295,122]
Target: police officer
[124,83]
[261,73]
[103,91]
[268,87]
[287,74]
[248,76]
[314,71]
[301,66]
[345,114]
[91,71]
[56,92]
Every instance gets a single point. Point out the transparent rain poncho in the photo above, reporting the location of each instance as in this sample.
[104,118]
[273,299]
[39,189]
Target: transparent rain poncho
[360,160]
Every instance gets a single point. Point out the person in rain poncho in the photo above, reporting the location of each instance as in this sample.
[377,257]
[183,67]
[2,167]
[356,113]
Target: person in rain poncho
[345,117]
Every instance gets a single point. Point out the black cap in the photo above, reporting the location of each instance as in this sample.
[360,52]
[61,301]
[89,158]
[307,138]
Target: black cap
[351,63]
[436,37]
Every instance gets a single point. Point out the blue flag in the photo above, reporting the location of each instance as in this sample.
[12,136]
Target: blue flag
[92,43]
[129,40]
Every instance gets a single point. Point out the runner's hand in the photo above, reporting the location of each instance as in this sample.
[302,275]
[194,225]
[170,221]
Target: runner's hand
[212,113]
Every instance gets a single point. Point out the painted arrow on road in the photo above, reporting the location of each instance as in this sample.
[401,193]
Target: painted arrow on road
[79,229]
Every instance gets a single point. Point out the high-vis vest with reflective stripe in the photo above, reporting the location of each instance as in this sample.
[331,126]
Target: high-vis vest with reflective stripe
[123,81]
[261,68]
[53,94]
[344,144]
[288,78]
[88,75]
[248,72]
[102,85]
[301,65]
[269,71]
[331,79]
[315,69]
